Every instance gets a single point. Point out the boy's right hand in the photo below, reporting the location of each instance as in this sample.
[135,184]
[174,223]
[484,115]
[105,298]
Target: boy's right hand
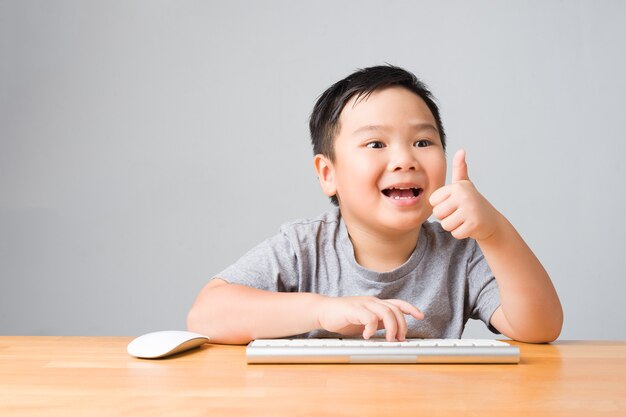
[351,316]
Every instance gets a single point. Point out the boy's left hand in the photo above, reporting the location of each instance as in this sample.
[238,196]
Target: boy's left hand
[460,208]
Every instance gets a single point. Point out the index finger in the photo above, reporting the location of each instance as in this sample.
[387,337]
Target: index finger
[407,308]
[440,195]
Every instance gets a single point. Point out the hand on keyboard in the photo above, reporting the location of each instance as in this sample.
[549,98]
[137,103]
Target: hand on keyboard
[353,316]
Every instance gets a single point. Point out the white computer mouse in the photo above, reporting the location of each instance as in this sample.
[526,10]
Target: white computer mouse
[165,343]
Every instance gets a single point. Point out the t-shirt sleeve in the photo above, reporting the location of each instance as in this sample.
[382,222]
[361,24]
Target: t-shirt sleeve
[484,296]
[272,266]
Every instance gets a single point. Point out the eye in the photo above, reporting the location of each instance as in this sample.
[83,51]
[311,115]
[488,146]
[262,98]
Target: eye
[422,143]
[375,145]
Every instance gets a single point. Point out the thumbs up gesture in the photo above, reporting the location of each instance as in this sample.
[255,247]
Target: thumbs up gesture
[460,208]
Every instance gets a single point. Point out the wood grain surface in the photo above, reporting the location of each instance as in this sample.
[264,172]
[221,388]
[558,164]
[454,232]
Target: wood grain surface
[95,376]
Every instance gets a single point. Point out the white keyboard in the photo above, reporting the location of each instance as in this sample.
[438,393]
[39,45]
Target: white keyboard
[381,351]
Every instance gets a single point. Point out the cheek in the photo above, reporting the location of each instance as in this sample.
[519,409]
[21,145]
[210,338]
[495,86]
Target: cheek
[437,174]
[362,171]
[441,179]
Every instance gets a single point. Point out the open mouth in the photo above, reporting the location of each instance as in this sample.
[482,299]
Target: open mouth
[402,193]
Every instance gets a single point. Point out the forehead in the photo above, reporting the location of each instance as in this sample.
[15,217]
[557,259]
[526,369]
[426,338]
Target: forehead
[391,106]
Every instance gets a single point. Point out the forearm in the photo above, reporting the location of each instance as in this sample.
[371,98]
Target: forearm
[236,314]
[529,301]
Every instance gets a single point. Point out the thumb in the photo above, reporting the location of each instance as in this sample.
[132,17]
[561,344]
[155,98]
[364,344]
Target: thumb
[459,167]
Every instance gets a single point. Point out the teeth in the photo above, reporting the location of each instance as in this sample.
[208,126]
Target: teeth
[414,193]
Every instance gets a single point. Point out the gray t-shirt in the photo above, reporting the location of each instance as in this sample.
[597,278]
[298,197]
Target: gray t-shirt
[447,279]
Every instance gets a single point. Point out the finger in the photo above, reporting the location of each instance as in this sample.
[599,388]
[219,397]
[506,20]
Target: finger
[401,334]
[445,208]
[440,195]
[459,167]
[453,221]
[407,308]
[370,329]
[370,321]
[389,319]
[461,232]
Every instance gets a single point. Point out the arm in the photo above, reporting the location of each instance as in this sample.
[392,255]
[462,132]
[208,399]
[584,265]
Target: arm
[237,314]
[530,309]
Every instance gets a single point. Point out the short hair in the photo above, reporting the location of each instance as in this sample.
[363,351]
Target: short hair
[324,121]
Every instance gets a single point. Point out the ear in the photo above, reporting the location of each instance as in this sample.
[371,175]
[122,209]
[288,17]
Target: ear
[326,174]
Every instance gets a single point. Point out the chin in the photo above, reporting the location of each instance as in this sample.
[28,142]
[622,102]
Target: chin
[404,223]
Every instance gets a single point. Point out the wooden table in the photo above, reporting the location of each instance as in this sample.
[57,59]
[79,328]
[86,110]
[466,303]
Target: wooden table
[94,376]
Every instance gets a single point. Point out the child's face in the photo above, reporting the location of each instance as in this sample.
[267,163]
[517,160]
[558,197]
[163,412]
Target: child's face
[388,161]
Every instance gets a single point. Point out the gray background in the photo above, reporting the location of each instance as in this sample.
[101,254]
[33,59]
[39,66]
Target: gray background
[144,146]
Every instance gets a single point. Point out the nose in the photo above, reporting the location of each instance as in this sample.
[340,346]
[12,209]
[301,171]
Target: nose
[402,159]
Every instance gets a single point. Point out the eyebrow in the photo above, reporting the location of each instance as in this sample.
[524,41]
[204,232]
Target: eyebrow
[415,126]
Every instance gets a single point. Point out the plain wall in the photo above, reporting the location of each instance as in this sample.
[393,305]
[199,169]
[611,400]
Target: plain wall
[144,146]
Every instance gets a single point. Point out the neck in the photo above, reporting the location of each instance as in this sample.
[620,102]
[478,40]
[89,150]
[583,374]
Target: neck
[381,252]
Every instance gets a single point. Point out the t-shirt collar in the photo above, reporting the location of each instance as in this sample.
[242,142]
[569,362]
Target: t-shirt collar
[398,273]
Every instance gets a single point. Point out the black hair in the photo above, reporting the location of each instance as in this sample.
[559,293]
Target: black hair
[324,121]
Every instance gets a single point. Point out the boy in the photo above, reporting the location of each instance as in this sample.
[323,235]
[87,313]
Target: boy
[375,265]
